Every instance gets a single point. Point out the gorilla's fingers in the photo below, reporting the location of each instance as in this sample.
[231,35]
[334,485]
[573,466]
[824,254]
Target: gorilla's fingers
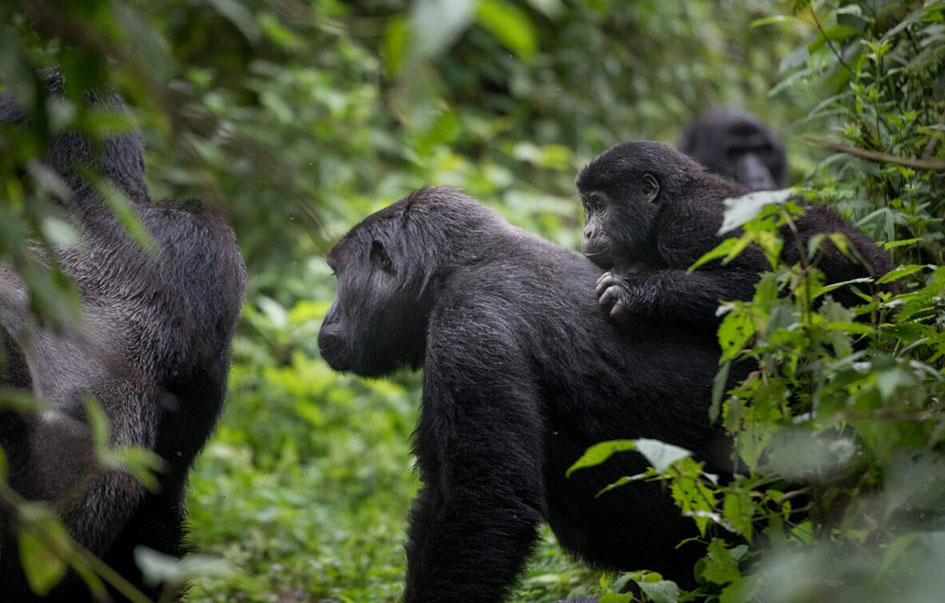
[611,296]
[618,311]
[605,282]
[603,277]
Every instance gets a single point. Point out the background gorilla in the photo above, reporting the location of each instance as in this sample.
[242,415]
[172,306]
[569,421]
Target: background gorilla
[652,212]
[522,373]
[737,145]
[152,349]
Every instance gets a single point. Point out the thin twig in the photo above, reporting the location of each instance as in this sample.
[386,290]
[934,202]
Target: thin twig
[828,41]
[922,164]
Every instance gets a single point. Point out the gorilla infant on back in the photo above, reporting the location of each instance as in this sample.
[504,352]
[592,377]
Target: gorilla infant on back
[652,212]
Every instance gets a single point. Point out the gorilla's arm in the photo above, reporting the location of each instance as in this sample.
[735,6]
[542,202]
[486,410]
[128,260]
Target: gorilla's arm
[478,446]
[674,294]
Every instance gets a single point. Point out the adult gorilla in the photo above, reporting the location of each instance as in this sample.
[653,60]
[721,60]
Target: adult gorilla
[151,348]
[522,373]
[738,145]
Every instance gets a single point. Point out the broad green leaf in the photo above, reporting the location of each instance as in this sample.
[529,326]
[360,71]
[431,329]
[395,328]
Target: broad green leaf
[664,591]
[660,454]
[41,544]
[510,25]
[738,511]
[735,331]
[739,210]
[436,24]
[598,453]
[721,567]
[742,590]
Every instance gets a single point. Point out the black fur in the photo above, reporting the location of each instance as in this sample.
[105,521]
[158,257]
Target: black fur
[737,145]
[152,348]
[522,373]
[649,234]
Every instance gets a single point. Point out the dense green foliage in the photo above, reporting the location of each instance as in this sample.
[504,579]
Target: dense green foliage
[296,119]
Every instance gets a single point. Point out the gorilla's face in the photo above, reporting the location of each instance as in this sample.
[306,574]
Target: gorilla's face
[375,325]
[597,243]
[619,219]
[739,146]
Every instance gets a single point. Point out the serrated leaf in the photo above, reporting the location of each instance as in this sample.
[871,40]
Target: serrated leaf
[720,567]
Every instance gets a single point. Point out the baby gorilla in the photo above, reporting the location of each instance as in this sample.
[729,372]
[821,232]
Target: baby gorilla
[652,212]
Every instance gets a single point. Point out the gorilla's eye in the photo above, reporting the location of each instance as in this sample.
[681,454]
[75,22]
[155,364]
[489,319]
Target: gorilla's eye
[379,256]
[596,203]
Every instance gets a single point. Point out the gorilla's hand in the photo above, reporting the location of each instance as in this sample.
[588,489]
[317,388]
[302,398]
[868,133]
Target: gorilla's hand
[615,293]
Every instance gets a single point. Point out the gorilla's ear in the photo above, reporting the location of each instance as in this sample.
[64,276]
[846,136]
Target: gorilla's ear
[651,187]
[380,258]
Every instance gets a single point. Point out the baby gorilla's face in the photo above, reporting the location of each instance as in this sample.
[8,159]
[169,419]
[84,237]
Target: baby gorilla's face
[597,244]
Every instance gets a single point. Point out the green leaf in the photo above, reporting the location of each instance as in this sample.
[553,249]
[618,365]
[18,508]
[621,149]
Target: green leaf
[626,479]
[510,25]
[901,271]
[839,32]
[894,244]
[743,590]
[238,15]
[772,20]
[718,390]
[158,568]
[721,250]
[738,511]
[41,544]
[739,210]
[735,331]
[598,453]
[664,591]
[436,24]
[660,454]
[394,45]
[720,567]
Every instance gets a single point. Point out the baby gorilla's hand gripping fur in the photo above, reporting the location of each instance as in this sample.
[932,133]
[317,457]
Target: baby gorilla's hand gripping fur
[616,295]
